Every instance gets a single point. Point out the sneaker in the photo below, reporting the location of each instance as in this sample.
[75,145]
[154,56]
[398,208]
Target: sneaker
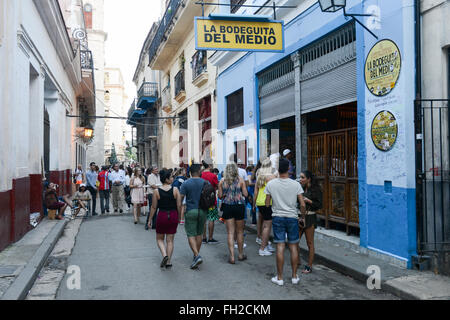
[276,281]
[258,240]
[213,241]
[236,245]
[204,241]
[270,248]
[182,222]
[197,261]
[295,280]
[264,253]
[307,270]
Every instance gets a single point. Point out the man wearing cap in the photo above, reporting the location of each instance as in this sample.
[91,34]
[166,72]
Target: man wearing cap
[91,184]
[287,154]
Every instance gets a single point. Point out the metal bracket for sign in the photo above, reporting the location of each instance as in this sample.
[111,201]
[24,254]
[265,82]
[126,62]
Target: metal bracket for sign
[353,15]
[274,6]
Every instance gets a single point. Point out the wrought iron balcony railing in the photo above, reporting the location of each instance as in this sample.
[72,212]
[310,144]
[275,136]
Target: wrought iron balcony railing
[87,62]
[199,63]
[179,82]
[148,89]
[163,26]
[132,108]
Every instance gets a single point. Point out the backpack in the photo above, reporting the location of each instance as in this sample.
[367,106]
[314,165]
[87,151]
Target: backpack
[207,197]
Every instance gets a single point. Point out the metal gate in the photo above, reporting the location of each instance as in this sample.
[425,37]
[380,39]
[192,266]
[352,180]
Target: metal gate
[432,122]
[333,159]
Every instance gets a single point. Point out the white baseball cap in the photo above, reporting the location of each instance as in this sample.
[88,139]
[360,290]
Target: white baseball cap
[286,152]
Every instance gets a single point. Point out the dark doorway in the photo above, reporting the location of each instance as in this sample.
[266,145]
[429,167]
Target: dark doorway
[46,144]
[333,159]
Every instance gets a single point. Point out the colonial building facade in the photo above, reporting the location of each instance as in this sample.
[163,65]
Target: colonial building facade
[41,86]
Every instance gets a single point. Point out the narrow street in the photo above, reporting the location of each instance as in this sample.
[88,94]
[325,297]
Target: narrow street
[119,260]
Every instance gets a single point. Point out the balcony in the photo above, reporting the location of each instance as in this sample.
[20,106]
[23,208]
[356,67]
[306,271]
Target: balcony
[135,114]
[171,33]
[180,92]
[87,63]
[147,95]
[199,65]
[166,99]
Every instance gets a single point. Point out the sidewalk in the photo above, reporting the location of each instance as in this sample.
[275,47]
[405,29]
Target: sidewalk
[348,258]
[21,262]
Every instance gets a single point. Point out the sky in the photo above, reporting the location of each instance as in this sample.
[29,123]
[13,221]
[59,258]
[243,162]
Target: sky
[127,24]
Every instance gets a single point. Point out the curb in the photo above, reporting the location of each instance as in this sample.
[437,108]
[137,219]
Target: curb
[23,283]
[352,272]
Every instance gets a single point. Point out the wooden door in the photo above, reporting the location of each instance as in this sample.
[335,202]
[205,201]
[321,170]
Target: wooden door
[332,158]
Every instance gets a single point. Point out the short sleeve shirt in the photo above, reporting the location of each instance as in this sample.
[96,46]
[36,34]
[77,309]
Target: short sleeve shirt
[284,193]
[243,174]
[192,189]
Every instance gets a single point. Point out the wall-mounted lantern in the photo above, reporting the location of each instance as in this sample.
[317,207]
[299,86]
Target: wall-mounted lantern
[336,5]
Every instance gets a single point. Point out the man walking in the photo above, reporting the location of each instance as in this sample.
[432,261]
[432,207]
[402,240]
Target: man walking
[104,189]
[285,193]
[154,182]
[91,182]
[195,217]
[213,213]
[117,177]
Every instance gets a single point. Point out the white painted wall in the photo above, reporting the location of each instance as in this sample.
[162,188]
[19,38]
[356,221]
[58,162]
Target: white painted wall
[28,49]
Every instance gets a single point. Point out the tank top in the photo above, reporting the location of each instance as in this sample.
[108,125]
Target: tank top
[261,199]
[233,194]
[167,201]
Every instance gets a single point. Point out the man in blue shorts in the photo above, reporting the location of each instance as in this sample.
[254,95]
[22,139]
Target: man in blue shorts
[285,193]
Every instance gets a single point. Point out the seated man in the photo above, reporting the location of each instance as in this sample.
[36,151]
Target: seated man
[81,200]
[53,202]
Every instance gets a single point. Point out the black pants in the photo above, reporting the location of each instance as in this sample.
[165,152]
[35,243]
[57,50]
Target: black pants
[93,193]
[150,198]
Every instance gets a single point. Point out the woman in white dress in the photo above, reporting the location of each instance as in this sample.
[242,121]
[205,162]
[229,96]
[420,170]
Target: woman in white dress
[137,184]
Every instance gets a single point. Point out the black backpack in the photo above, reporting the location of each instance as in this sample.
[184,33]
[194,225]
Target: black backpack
[207,197]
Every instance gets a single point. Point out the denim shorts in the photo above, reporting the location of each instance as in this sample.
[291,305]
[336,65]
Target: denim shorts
[281,226]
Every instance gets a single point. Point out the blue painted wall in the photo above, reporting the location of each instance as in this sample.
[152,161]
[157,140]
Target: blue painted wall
[387,219]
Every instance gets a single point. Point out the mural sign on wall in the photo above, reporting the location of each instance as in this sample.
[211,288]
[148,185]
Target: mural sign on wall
[231,35]
[382,68]
[384,131]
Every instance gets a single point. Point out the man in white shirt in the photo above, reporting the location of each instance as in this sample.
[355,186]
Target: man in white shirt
[285,193]
[117,177]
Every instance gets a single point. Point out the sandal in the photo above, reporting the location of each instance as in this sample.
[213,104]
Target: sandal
[244,257]
[164,262]
[231,261]
[168,266]
[307,270]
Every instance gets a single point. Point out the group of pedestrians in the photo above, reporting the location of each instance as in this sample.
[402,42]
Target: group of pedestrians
[284,205]
[190,197]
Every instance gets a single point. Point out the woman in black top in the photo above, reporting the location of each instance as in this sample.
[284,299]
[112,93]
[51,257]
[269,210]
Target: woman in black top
[168,200]
[313,200]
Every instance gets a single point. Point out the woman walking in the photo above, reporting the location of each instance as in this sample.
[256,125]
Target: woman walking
[233,190]
[168,200]
[313,201]
[265,174]
[137,193]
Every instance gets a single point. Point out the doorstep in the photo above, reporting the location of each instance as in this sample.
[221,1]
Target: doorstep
[342,253]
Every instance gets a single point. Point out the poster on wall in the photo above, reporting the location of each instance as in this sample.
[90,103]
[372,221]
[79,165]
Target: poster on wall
[382,68]
[384,131]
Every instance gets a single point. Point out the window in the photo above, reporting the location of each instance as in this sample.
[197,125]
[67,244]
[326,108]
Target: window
[235,109]
[235,5]
[88,15]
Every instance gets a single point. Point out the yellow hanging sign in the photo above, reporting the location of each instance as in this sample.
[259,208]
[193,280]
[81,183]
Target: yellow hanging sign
[231,35]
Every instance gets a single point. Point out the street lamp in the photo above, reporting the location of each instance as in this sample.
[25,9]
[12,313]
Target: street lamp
[88,133]
[335,5]
[332,5]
